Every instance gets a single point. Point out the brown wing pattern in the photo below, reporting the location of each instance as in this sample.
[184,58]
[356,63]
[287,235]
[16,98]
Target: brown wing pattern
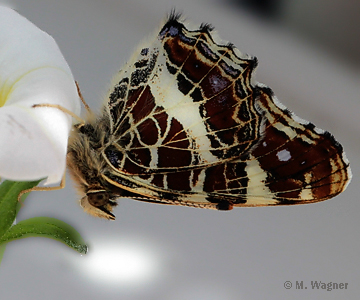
[183,104]
[189,127]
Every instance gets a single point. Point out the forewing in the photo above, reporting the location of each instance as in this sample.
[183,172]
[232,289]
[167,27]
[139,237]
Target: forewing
[185,102]
[190,128]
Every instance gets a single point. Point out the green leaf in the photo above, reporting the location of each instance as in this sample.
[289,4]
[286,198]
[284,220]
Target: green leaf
[46,227]
[9,204]
[2,250]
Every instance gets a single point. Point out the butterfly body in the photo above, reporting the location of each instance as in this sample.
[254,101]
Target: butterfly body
[186,124]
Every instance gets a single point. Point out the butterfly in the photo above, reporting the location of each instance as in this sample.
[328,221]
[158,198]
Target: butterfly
[185,124]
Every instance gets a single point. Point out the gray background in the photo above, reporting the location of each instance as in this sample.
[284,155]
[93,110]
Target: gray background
[308,54]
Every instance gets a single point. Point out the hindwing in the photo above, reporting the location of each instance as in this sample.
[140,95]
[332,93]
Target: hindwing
[190,126]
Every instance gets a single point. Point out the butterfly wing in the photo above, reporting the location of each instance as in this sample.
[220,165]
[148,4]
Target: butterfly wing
[189,127]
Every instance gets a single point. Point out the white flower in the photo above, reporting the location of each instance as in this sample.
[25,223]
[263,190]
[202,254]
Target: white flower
[33,141]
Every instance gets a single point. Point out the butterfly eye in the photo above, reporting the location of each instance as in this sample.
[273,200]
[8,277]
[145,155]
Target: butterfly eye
[98,198]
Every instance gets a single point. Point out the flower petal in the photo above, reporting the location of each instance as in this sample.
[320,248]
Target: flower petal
[33,141]
[31,147]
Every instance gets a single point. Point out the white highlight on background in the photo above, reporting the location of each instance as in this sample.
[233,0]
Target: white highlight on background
[121,263]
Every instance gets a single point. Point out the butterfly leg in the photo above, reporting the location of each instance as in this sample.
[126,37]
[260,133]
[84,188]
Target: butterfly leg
[44,188]
[63,109]
[87,107]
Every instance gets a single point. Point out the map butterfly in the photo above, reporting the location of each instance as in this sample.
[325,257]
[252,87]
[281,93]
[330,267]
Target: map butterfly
[185,124]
